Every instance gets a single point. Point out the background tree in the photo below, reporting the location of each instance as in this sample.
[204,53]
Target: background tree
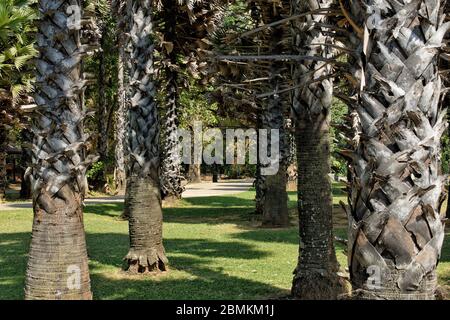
[259,85]
[316,273]
[274,208]
[102,94]
[145,213]
[16,49]
[186,29]
[122,97]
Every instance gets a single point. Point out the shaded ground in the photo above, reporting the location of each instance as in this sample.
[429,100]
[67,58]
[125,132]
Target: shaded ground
[215,247]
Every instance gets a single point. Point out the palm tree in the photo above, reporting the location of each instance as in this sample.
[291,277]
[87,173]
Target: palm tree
[120,124]
[187,24]
[396,190]
[271,111]
[16,49]
[144,204]
[274,209]
[316,273]
[57,262]
[119,8]
[171,161]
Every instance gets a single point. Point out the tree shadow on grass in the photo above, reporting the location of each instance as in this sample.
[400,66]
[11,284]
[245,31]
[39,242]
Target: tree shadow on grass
[110,248]
[188,215]
[213,210]
[193,274]
[189,259]
[201,283]
[113,210]
[13,260]
[220,201]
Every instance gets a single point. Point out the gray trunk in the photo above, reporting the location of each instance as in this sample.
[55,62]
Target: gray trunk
[144,203]
[274,208]
[396,230]
[120,130]
[171,160]
[195,173]
[57,262]
[316,273]
[102,109]
[260,186]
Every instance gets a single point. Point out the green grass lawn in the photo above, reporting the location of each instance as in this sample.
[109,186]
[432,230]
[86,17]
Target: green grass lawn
[215,247]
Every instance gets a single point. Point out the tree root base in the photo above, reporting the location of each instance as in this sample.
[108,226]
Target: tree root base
[316,286]
[153,261]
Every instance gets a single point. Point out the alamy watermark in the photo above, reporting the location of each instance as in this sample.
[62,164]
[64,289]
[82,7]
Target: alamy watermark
[74,278]
[74,18]
[241,146]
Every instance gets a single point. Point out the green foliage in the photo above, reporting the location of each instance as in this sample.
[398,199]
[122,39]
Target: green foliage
[237,171]
[96,171]
[338,112]
[109,55]
[237,17]
[196,107]
[16,46]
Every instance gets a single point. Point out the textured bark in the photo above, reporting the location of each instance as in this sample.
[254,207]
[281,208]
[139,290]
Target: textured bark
[146,246]
[195,175]
[102,109]
[120,9]
[260,186]
[144,204]
[274,209]
[396,188]
[171,163]
[58,248]
[170,178]
[121,114]
[316,273]
[444,65]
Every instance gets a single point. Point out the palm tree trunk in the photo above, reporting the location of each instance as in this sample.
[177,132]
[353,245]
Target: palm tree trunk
[260,186]
[171,165]
[102,112]
[120,130]
[57,262]
[316,273]
[275,210]
[195,175]
[102,109]
[121,11]
[145,213]
[444,64]
[395,227]
[171,188]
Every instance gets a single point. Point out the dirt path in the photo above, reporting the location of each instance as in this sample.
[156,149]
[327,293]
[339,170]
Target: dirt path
[204,189]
